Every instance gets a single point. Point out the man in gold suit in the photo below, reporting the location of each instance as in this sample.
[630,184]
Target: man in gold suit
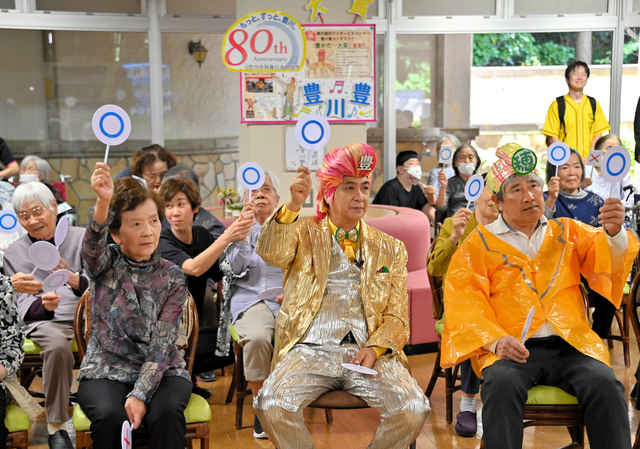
[345,301]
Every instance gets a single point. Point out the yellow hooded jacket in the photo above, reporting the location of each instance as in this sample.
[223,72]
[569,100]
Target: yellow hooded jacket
[491,286]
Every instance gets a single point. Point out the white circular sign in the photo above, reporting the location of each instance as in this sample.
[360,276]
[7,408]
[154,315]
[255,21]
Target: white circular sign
[55,280]
[44,255]
[61,230]
[251,176]
[446,154]
[474,188]
[558,153]
[111,124]
[359,368]
[615,164]
[313,132]
[8,222]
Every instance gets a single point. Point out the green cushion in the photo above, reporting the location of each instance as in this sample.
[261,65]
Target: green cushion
[626,290]
[198,410]
[546,395]
[80,420]
[16,419]
[439,325]
[234,334]
[33,348]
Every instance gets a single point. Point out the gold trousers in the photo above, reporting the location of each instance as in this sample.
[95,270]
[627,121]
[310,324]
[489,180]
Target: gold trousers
[308,371]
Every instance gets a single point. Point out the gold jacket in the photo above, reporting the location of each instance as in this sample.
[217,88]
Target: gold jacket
[302,250]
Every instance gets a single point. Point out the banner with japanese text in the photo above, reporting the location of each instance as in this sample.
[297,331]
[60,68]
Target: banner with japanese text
[337,80]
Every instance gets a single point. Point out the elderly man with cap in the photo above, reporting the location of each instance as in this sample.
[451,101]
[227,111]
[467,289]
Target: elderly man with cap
[522,261]
[345,301]
[400,191]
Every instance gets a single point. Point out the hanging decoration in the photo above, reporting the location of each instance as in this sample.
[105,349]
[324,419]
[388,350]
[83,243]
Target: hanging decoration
[316,10]
[359,8]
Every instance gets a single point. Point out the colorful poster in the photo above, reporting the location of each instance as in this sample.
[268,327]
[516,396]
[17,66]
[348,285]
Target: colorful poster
[264,41]
[337,80]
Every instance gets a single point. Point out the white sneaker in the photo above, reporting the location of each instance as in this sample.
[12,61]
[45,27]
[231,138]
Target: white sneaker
[261,436]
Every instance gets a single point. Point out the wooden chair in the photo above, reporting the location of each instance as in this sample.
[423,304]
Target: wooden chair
[198,411]
[340,400]
[18,424]
[450,375]
[239,382]
[551,406]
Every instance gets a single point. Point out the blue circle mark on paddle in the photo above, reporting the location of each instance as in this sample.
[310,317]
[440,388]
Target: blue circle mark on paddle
[624,164]
[304,136]
[474,182]
[244,176]
[111,136]
[12,220]
[553,153]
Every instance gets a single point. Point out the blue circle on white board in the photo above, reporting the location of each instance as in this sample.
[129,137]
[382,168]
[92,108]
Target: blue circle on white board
[8,222]
[111,124]
[111,114]
[304,128]
[442,153]
[608,168]
[312,138]
[557,158]
[475,183]
[251,176]
[251,170]
[474,187]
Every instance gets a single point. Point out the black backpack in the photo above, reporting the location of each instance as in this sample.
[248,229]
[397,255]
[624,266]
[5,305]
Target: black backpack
[562,107]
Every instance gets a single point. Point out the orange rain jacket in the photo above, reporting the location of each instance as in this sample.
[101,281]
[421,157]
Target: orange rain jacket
[491,286]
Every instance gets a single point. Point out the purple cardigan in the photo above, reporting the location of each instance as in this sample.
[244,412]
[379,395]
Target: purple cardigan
[136,309]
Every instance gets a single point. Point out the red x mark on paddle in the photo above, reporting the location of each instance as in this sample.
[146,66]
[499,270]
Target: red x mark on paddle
[594,157]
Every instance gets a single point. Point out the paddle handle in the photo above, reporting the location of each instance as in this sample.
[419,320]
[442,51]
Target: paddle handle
[106,154]
[611,190]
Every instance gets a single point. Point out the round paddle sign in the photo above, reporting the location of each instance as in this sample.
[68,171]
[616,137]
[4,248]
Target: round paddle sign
[55,280]
[474,188]
[111,124]
[524,161]
[558,153]
[44,255]
[615,165]
[251,176]
[313,132]
[446,154]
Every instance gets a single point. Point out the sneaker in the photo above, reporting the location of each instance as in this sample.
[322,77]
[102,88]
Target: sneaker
[201,391]
[209,376]
[466,424]
[257,430]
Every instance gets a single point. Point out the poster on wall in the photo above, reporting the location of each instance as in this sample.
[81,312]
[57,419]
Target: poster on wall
[264,41]
[337,80]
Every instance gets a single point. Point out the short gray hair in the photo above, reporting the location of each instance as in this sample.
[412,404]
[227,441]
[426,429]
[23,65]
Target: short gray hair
[44,169]
[451,138]
[530,177]
[33,191]
[275,182]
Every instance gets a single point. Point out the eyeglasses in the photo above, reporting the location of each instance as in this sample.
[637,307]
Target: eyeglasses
[36,212]
[264,189]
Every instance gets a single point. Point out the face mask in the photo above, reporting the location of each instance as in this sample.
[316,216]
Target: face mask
[467,168]
[26,177]
[416,172]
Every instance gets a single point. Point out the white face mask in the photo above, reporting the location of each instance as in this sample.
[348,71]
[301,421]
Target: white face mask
[415,172]
[27,177]
[467,168]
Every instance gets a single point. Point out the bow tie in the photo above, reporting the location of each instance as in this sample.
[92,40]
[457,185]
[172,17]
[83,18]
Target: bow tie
[351,235]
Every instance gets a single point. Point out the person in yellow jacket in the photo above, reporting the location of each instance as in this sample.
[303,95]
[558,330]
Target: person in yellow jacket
[575,118]
[345,301]
[453,232]
[522,261]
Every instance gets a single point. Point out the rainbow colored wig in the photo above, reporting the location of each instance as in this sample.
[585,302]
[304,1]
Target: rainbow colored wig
[357,159]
